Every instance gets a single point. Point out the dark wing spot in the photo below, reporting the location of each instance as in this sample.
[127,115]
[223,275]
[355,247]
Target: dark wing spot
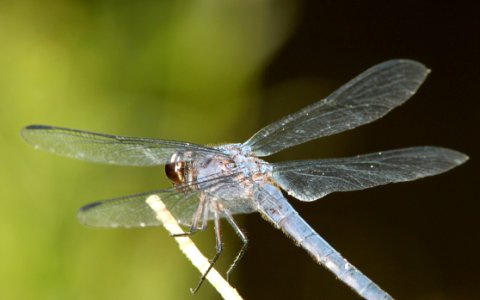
[89,206]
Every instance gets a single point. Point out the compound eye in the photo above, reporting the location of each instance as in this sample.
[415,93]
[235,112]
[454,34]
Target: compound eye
[173,173]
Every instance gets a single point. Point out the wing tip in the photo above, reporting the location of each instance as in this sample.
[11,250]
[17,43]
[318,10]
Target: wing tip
[457,157]
[33,127]
[412,66]
[82,217]
[27,130]
[452,158]
[37,127]
[89,206]
[406,61]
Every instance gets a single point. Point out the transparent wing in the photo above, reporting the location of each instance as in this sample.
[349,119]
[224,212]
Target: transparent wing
[182,201]
[313,179]
[110,149]
[367,97]
[133,211]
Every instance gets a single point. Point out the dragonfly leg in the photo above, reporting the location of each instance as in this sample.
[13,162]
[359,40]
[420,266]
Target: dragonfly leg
[242,237]
[218,247]
[200,211]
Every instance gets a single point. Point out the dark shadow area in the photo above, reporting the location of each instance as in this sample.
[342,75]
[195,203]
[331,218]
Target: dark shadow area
[417,240]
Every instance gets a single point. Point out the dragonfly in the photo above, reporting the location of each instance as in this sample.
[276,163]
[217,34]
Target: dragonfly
[215,182]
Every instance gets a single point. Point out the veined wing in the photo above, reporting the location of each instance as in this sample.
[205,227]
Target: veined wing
[182,201]
[364,99]
[110,149]
[310,180]
[133,211]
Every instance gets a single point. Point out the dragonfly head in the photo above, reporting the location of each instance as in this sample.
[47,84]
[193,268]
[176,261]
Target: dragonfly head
[175,169]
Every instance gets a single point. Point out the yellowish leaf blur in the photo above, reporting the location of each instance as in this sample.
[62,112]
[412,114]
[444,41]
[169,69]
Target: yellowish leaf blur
[185,70]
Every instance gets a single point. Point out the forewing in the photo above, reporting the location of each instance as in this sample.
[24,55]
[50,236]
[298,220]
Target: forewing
[364,99]
[110,149]
[313,179]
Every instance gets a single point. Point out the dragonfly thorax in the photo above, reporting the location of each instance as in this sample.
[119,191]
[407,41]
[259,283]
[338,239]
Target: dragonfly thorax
[246,162]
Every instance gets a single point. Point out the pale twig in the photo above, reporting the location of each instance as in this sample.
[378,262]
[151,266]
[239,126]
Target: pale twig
[190,250]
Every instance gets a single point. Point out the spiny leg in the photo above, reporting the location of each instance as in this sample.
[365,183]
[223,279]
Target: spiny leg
[218,247]
[242,237]
[200,211]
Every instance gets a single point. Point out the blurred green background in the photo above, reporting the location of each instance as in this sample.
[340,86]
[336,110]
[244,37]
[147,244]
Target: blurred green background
[216,71]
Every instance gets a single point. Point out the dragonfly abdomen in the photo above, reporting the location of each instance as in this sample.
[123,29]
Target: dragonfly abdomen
[275,208]
[295,227]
